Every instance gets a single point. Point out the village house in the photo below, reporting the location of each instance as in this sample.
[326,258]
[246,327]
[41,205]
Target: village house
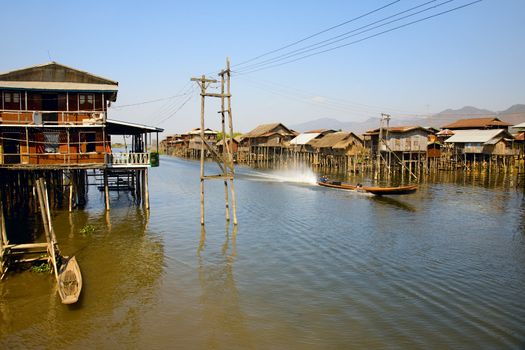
[194,141]
[265,141]
[483,145]
[233,145]
[401,140]
[300,143]
[56,117]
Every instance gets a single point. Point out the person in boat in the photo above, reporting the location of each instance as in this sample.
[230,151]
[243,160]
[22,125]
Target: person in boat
[323,179]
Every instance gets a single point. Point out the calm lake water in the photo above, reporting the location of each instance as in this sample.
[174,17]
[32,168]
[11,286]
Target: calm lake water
[307,268]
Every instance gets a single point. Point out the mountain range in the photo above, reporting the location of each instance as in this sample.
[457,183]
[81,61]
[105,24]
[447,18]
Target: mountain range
[514,115]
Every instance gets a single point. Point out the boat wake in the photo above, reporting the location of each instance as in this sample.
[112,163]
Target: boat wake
[298,175]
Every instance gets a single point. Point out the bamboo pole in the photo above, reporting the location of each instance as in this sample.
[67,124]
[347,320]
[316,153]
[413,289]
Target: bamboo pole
[225,150]
[230,124]
[46,218]
[203,92]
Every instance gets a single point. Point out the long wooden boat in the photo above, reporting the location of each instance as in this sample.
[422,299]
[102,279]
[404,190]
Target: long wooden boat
[378,191]
[338,184]
[69,281]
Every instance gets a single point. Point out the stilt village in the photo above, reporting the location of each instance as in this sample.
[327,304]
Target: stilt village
[56,145]
[470,144]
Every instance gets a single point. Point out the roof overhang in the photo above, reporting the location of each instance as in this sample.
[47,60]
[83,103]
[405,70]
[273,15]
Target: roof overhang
[61,86]
[117,127]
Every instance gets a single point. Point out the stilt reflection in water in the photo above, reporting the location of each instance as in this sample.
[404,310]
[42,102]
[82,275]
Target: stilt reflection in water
[221,308]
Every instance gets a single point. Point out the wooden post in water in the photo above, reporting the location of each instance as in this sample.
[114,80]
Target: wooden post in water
[106,189]
[146,189]
[46,219]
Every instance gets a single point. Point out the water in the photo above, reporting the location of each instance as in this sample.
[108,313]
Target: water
[307,268]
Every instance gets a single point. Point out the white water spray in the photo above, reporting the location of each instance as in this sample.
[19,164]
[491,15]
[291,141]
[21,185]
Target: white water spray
[303,175]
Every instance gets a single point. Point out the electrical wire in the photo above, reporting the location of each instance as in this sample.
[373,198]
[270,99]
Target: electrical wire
[147,102]
[178,109]
[344,36]
[317,34]
[339,102]
[362,39]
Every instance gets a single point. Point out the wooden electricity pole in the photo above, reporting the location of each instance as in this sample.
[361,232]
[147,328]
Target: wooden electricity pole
[224,161]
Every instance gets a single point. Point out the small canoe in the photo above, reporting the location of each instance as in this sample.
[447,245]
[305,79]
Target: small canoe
[69,281]
[379,191]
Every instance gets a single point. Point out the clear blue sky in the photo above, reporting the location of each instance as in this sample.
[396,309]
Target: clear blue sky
[474,56]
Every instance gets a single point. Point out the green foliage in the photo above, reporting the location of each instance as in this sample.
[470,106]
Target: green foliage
[87,230]
[41,268]
[220,135]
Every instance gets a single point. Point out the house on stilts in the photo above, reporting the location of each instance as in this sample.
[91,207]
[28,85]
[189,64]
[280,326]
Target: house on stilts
[54,125]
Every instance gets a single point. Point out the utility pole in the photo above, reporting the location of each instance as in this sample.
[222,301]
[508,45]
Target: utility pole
[225,162]
[387,118]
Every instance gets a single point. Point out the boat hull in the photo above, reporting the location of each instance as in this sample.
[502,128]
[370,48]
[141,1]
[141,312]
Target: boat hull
[69,281]
[378,191]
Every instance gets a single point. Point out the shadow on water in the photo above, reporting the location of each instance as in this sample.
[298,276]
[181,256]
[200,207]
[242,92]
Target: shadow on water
[393,202]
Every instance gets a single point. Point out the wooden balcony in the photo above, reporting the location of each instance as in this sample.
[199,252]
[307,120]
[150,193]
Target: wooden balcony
[128,160]
[13,117]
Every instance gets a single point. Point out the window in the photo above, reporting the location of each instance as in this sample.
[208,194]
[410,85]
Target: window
[12,100]
[87,142]
[51,142]
[86,101]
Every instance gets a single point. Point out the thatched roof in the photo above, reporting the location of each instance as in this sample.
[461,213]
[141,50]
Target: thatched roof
[266,130]
[338,139]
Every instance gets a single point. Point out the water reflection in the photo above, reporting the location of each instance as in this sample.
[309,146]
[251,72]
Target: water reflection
[121,262]
[221,310]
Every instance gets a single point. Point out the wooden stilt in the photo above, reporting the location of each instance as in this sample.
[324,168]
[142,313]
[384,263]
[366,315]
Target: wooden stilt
[106,189]
[146,189]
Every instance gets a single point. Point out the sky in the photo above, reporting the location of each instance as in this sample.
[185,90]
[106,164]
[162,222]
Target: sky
[471,56]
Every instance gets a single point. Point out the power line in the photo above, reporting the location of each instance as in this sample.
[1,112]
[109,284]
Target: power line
[317,34]
[150,101]
[169,107]
[344,103]
[178,109]
[344,36]
[330,103]
[362,39]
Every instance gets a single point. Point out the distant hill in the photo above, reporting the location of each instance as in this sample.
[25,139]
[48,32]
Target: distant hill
[514,115]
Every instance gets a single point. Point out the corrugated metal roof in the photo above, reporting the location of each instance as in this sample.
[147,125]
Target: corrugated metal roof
[53,86]
[121,126]
[475,136]
[398,129]
[519,126]
[51,65]
[303,139]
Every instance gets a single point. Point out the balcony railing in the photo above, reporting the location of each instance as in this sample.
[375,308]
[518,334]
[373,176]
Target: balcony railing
[52,117]
[126,160]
